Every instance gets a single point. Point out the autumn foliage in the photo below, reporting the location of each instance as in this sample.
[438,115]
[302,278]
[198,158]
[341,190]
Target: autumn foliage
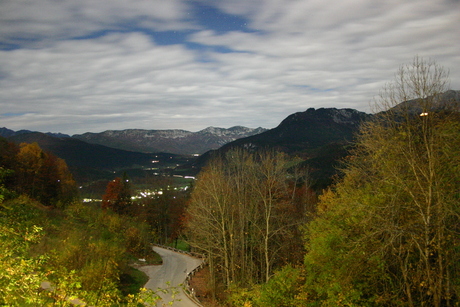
[244,215]
[38,174]
[56,251]
[117,196]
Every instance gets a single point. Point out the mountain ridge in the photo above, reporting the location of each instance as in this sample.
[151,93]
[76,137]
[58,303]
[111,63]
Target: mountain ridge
[320,137]
[309,129]
[175,141]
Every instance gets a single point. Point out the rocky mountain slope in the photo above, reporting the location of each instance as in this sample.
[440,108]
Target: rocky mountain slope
[319,136]
[302,132]
[172,141]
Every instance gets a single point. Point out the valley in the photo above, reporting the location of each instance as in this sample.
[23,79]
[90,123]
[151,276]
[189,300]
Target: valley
[248,205]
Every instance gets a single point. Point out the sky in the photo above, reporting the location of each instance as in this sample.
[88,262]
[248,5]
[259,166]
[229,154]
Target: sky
[75,66]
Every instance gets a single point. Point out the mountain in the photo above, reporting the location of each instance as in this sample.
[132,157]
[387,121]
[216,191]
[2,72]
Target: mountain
[173,141]
[319,136]
[302,132]
[7,133]
[322,137]
[91,160]
[447,100]
[86,160]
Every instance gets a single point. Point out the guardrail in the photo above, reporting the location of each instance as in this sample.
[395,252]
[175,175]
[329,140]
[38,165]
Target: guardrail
[189,291]
[196,255]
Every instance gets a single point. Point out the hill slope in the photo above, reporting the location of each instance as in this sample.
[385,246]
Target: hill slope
[173,141]
[301,132]
[80,154]
[318,136]
[92,161]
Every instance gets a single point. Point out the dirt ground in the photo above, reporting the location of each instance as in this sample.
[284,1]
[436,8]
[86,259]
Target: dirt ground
[200,285]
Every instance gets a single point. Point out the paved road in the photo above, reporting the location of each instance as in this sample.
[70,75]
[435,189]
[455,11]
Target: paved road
[173,270]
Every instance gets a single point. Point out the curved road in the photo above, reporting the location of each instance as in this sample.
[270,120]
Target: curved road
[173,270]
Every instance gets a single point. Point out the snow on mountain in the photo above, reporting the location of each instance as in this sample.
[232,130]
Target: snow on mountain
[172,141]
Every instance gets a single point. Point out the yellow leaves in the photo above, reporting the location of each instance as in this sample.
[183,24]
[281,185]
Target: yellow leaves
[81,261]
[325,201]
[31,156]
[34,234]
[43,176]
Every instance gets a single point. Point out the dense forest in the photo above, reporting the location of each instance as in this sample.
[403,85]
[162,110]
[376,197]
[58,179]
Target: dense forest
[385,233]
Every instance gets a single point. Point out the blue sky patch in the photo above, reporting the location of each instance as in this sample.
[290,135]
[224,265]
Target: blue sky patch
[213,19]
[12,114]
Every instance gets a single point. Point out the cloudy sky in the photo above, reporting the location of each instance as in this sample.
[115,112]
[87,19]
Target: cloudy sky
[74,66]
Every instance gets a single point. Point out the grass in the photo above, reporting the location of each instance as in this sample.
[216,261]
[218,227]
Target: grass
[132,280]
[180,244]
[153,258]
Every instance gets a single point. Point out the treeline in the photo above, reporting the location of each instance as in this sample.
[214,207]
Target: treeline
[163,212]
[387,233]
[244,215]
[57,250]
[36,173]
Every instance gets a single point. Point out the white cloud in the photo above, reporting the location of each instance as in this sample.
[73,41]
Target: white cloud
[121,79]
[307,54]
[340,45]
[22,20]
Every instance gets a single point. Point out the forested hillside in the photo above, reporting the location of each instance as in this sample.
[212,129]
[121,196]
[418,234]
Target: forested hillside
[57,250]
[385,234]
[320,137]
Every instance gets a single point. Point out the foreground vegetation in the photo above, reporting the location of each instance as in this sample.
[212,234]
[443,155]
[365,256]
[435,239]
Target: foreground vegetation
[386,234]
[244,215]
[79,253]
[57,251]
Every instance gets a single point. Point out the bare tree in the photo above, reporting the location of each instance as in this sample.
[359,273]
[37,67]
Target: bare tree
[241,213]
[398,203]
[415,134]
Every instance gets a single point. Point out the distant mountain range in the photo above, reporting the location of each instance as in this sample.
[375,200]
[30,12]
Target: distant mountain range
[92,161]
[315,135]
[95,154]
[321,137]
[5,132]
[172,141]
